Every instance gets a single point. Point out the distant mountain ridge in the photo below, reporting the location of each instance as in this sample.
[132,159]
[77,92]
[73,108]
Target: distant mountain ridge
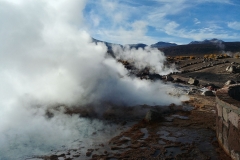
[193,48]
[163,44]
[138,45]
[206,41]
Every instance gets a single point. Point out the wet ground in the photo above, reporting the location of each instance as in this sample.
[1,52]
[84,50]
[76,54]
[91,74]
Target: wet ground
[180,135]
[172,139]
[184,132]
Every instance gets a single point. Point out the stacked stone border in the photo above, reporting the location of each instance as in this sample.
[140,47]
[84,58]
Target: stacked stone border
[228,121]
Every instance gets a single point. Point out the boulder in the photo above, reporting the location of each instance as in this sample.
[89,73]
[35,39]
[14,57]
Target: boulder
[177,80]
[229,82]
[231,69]
[208,93]
[193,81]
[152,116]
[227,68]
[169,78]
[211,86]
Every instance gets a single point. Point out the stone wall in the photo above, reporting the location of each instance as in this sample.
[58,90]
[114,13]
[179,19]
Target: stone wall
[234,92]
[228,120]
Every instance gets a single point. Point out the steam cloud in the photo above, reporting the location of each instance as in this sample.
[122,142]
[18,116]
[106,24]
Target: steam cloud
[147,57]
[47,58]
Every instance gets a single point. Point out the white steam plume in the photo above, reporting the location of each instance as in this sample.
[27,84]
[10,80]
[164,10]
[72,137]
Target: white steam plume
[48,59]
[142,58]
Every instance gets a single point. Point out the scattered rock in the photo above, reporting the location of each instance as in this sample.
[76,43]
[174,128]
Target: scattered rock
[77,155]
[231,69]
[88,154]
[190,93]
[208,93]
[53,157]
[177,80]
[229,82]
[115,148]
[153,116]
[61,155]
[211,86]
[193,81]
[169,78]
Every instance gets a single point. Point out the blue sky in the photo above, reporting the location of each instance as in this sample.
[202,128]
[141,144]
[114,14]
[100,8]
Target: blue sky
[150,21]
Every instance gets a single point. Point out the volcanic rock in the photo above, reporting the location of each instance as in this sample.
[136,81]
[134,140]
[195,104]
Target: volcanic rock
[53,157]
[88,154]
[211,86]
[152,116]
[61,155]
[208,93]
[177,80]
[229,82]
[193,81]
[169,78]
[231,69]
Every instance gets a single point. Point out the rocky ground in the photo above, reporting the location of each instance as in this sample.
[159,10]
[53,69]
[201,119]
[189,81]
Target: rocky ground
[181,132]
[207,71]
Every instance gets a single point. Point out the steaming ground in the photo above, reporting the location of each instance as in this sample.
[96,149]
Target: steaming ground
[41,136]
[48,59]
